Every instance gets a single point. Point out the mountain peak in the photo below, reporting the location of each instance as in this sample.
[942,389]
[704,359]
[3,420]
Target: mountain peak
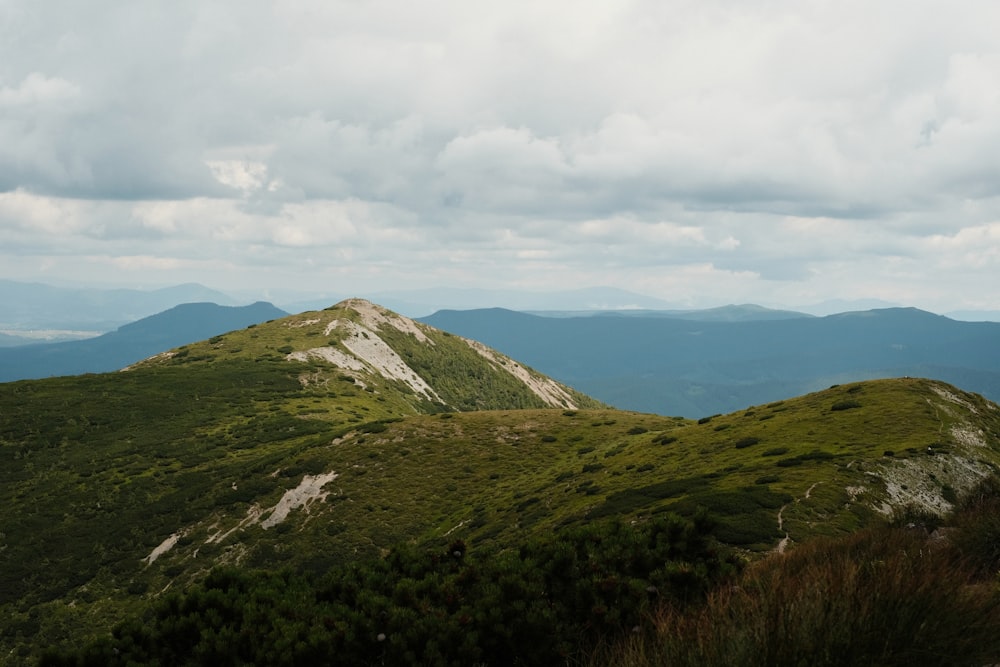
[374,316]
[407,366]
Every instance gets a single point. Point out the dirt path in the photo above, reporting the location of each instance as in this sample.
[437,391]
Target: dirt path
[784,541]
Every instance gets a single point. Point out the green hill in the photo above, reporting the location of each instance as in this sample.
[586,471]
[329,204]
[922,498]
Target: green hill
[331,436]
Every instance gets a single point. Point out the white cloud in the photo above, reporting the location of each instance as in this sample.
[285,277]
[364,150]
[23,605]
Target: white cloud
[38,90]
[771,148]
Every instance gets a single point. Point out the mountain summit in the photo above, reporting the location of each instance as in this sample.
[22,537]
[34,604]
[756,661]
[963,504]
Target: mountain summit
[388,354]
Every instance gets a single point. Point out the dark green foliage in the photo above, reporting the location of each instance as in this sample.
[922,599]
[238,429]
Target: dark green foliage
[815,455]
[748,441]
[637,430]
[743,516]
[845,405]
[540,604]
[373,427]
[629,500]
[789,462]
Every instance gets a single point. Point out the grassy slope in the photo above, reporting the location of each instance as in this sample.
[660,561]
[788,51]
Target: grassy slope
[98,471]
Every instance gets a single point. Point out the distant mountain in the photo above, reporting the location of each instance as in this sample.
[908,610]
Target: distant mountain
[835,306]
[732,313]
[39,306]
[423,302]
[975,315]
[133,342]
[695,368]
[7,340]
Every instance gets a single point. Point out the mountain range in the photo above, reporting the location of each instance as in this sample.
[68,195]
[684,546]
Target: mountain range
[679,362]
[329,437]
[688,365]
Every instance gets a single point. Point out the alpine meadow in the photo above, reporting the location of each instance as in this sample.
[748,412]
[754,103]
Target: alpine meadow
[351,486]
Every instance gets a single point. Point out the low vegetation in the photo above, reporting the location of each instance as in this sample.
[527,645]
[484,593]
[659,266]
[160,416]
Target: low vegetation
[541,603]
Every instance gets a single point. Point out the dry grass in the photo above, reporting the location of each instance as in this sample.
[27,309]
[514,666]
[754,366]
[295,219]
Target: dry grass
[881,596]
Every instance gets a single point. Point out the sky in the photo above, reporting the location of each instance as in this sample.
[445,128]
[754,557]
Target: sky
[705,152]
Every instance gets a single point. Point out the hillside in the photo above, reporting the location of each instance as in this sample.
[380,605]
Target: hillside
[694,368]
[331,436]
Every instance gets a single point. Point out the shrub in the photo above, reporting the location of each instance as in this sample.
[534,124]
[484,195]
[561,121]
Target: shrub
[789,462]
[373,427]
[539,603]
[845,405]
[748,441]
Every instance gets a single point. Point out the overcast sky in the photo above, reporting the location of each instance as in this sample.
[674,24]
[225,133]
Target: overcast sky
[704,152]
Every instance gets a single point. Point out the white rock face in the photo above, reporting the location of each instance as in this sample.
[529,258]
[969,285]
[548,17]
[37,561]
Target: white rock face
[545,388]
[367,346]
[373,317]
[367,352]
[308,490]
[164,546]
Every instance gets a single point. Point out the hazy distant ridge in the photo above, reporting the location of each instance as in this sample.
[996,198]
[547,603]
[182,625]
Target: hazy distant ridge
[133,342]
[694,368]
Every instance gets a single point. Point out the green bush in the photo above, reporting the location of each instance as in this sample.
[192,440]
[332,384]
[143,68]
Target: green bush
[542,603]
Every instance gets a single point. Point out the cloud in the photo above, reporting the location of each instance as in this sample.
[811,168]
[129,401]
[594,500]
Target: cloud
[777,147]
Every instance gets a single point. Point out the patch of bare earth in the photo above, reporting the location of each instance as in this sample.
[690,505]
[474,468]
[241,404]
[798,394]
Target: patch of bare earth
[308,491]
[374,317]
